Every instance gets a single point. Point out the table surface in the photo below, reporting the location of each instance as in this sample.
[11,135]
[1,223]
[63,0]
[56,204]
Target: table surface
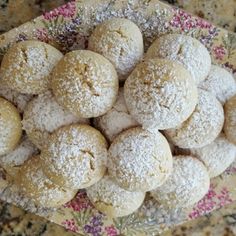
[15,221]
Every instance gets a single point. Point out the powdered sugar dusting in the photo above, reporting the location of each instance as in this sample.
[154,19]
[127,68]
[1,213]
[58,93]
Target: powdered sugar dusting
[27,65]
[119,201]
[21,153]
[139,160]
[43,116]
[77,154]
[188,183]
[220,83]
[186,50]
[18,99]
[85,83]
[202,127]
[115,120]
[217,156]
[160,93]
[120,41]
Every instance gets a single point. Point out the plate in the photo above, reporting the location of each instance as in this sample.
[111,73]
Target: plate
[68,28]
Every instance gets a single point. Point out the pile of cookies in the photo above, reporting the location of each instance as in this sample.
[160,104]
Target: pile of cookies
[116,121]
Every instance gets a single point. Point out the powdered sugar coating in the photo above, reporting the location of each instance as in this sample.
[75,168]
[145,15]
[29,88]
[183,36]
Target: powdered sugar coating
[10,127]
[20,100]
[217,156]
[43,115]
[220,83]
[139,160]
[184,49]
[202,127]
[112,200]
[230,119]
[75,157]
[36,186]
[27,65]
[160,93]
[85,83]
[188,183]
[120,41]
[13,160]
[115,120]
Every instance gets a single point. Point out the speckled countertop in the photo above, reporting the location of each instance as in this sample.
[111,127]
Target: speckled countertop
[16,222]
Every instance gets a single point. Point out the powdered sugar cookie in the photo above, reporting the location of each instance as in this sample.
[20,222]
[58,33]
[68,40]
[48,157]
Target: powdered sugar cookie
[112,200]
[13,160]
[20,100]
[188,183]
[139,160]
[27,65]
[10,127]
[43,115]
[120,41]
[75,157]
[36,186]
[220,83]
[184,49]
[160,93]
[217,156]
[115,120]
[202,127]
[230,119]
[85,83]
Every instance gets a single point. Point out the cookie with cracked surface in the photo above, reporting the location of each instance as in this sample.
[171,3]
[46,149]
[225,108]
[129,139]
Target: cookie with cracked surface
[27,65]
[121,42]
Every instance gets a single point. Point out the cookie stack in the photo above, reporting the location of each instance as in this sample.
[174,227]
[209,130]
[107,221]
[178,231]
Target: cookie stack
[116,121]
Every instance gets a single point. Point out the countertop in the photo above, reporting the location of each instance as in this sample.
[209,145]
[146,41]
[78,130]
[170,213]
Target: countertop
[16,222]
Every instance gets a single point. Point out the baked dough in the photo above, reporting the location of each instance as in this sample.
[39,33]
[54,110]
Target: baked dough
[139,160]
[75,157]
[184,49]
[121,42]
[43,115]
[220,83]
[217,156]
[160,93]
[10,127]
[36,186]
[85,83]
[202,127]
[13,160]
[188,183]
[112,200]
[27,65]
[230,120]
[115,120]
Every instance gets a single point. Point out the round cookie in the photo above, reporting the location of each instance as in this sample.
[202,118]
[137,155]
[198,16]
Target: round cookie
[220,83]
[230,119]
[217,156]
[13,160]
[115,120]
[36,186]
[27,65]
[43,115]
[202,127]
[160,93]
[139,160]
[112,200]
[75,157]
[188,183]
[85,83]
[10,127]
[20,100]
[184,49]
[121,42]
